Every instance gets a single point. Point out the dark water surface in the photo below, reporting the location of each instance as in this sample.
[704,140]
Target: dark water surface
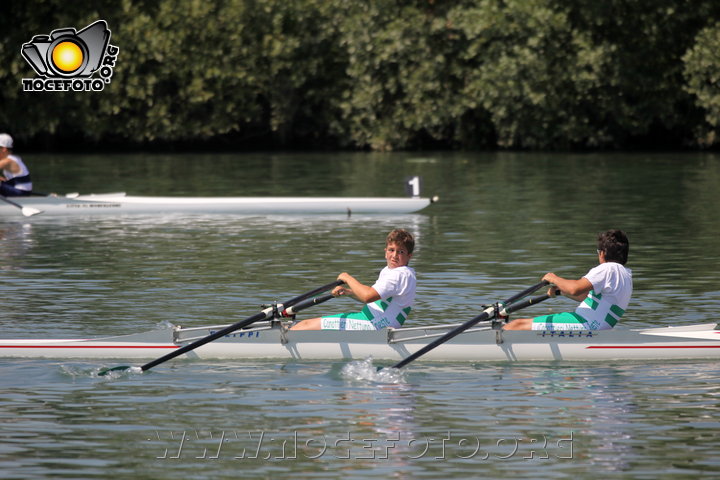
[502,222]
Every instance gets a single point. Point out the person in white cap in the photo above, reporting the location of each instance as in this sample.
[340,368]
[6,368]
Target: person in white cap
[15,179]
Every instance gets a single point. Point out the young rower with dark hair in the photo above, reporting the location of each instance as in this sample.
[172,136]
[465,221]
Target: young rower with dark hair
[387,302]
[604,292]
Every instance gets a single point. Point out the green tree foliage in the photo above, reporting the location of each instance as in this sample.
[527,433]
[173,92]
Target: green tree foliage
[702,70]
[642,92]
[211,68]
[534,73]
[380,74]
[188,71]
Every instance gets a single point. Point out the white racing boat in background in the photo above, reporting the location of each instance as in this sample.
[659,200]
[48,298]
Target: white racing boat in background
[272,340]
[122,204]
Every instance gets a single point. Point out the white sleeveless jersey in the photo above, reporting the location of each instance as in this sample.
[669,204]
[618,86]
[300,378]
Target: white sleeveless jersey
[23,172]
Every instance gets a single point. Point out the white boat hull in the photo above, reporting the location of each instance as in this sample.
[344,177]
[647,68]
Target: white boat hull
[479,345]
[121,204]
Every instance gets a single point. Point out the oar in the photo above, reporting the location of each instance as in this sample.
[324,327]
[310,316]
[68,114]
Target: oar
[27,211]
[488,313]
[289,312]
[262,315]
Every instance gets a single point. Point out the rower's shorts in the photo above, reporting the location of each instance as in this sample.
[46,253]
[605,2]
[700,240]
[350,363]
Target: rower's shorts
[350,321]
[566,321]
[7,190]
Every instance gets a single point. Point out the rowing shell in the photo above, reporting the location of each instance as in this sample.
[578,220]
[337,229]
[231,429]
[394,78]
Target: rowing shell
[122,204]
[271,340]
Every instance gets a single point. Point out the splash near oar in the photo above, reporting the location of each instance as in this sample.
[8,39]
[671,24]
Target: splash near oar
[287,308]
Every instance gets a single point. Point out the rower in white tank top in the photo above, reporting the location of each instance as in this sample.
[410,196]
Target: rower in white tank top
[15,179]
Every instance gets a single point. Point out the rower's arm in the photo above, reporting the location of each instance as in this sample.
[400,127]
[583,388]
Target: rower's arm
[363,293]
[575,289]
[8,164]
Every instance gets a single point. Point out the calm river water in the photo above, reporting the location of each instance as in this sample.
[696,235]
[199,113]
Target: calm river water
[503,220]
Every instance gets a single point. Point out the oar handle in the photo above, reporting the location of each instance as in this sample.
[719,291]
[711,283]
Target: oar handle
[289,312]
[526,303]
[312,293]
[526,292]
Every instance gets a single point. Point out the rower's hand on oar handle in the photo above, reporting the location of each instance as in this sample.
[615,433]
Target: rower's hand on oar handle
[342,289]
[551,279]
[339,290]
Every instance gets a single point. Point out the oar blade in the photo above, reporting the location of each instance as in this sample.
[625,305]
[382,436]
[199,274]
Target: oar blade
[266,313]
[104,372]
[27,211]
[30,211]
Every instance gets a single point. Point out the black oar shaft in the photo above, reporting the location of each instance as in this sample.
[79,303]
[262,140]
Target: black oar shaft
[266,313]
[199,343]
[526,303]
[525,292]
[307,304]
[312,293]
[26,211]
[6,200]
[486,315]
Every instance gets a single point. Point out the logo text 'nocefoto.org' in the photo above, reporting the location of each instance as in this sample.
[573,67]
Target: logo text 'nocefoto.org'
[67,59]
